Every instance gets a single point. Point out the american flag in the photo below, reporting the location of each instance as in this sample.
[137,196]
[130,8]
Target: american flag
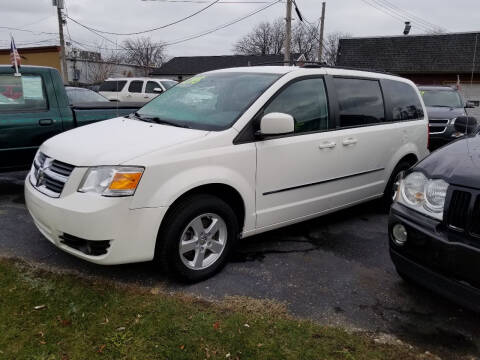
[15,58]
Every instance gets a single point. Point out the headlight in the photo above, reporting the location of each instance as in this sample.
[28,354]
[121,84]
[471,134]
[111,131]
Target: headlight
[424,195]
[111,180]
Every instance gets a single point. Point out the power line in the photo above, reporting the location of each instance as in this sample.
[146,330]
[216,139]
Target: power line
[392,13]
[224,25]
[30,31]
[412,16]
[149,30]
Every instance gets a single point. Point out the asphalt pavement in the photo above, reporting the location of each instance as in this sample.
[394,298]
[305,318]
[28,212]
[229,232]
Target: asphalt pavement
[335,270]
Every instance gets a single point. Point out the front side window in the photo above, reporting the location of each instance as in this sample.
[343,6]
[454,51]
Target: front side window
[306,101]
[20,93]
[151,86]
[168,83]
[77,96]
[208,101]
[405,103]
[135,86]
[112,85]
[360,102]
[442,98]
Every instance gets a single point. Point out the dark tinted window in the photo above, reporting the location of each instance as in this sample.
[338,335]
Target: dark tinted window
[360,102]
[404,101]
[135,86]
[112,85]
[151,85]
[23,93]
[306,101]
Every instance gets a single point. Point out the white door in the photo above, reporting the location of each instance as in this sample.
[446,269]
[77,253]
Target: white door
[294,172]
[134,92]
[152,90]
[367,142]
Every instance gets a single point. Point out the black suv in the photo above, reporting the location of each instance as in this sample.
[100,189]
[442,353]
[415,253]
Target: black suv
[434,225]
[444,104]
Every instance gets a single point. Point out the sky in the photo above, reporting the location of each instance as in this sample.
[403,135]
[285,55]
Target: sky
[356,17]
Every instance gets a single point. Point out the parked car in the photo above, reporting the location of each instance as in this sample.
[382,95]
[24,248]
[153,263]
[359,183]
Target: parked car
[134,89]
[35,107]
[434,223]
[444,104]
[78,95]
[257,148]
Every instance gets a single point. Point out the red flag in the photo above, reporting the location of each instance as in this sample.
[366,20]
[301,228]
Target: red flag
[15,58]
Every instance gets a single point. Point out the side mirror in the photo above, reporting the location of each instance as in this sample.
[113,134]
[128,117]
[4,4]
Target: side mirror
[466,124]
[157,90]
[470,105]
[277,124]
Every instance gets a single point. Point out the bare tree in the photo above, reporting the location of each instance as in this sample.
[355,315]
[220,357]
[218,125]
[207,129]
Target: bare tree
[144,52]
[268,38]
[265,39]
[305,40]
[330,50]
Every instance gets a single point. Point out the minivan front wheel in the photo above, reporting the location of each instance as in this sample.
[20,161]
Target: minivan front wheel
[197,237]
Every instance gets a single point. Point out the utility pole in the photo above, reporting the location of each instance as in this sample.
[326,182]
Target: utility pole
[288,33]
[320,40]
[63,60]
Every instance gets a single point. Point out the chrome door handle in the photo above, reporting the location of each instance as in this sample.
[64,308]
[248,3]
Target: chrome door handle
[45,122]
[327,145]
[349,141]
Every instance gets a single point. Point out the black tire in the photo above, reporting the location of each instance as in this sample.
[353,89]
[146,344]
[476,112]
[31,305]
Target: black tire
[390,188]
[169,236]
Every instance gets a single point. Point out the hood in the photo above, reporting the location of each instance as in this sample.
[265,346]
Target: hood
[115,141]
[444,112]
[457,163]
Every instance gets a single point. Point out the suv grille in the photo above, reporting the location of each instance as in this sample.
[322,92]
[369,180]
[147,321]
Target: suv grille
[463,214]
[438,126]
[49,176]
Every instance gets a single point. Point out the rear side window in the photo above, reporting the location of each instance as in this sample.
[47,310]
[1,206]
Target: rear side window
[113,85]
[306,101]
[135,86]
[404,101]
[22,93]
[360,102]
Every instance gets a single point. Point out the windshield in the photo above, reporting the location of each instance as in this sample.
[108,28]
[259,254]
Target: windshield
[168,83]
[442,98]
[76,96]
[208,101]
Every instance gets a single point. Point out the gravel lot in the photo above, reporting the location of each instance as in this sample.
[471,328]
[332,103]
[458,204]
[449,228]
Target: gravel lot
[335,270]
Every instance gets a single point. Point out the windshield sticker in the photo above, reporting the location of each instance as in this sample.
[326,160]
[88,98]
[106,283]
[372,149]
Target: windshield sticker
[193,80]
[422,92]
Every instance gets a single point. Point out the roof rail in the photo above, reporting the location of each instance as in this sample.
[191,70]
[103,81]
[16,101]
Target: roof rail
[316,65]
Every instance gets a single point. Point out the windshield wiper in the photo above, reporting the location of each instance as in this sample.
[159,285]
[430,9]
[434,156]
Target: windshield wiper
[443,106]
[157,120]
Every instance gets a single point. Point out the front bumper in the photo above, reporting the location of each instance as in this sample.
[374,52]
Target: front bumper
[131,233]
[432,259]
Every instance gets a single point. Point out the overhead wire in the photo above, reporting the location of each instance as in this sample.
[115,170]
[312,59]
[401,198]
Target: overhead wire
[149,30]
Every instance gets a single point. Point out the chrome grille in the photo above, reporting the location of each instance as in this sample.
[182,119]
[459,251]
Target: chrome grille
[438,126]
[49,176]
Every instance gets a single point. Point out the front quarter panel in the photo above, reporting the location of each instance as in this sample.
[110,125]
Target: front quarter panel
[171,174]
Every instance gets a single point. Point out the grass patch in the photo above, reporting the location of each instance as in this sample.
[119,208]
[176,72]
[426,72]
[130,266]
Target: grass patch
[49,316]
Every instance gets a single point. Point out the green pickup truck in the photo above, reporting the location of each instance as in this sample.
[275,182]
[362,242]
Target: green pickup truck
[35,107]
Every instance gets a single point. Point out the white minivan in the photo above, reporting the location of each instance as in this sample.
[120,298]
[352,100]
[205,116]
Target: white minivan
[225,155]
[134,89]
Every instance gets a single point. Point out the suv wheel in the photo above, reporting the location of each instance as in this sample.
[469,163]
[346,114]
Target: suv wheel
[197,237]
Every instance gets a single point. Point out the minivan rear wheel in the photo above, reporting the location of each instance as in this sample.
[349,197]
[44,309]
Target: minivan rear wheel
[197,237]
[391,188]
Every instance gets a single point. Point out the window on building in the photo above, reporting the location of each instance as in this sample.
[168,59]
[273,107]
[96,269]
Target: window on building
[22,93]
[306,101]
[135,86]
[360,102]
[404,101]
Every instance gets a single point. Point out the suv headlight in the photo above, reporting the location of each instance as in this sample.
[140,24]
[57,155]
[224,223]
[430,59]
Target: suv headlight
[111,180]
[424,195]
